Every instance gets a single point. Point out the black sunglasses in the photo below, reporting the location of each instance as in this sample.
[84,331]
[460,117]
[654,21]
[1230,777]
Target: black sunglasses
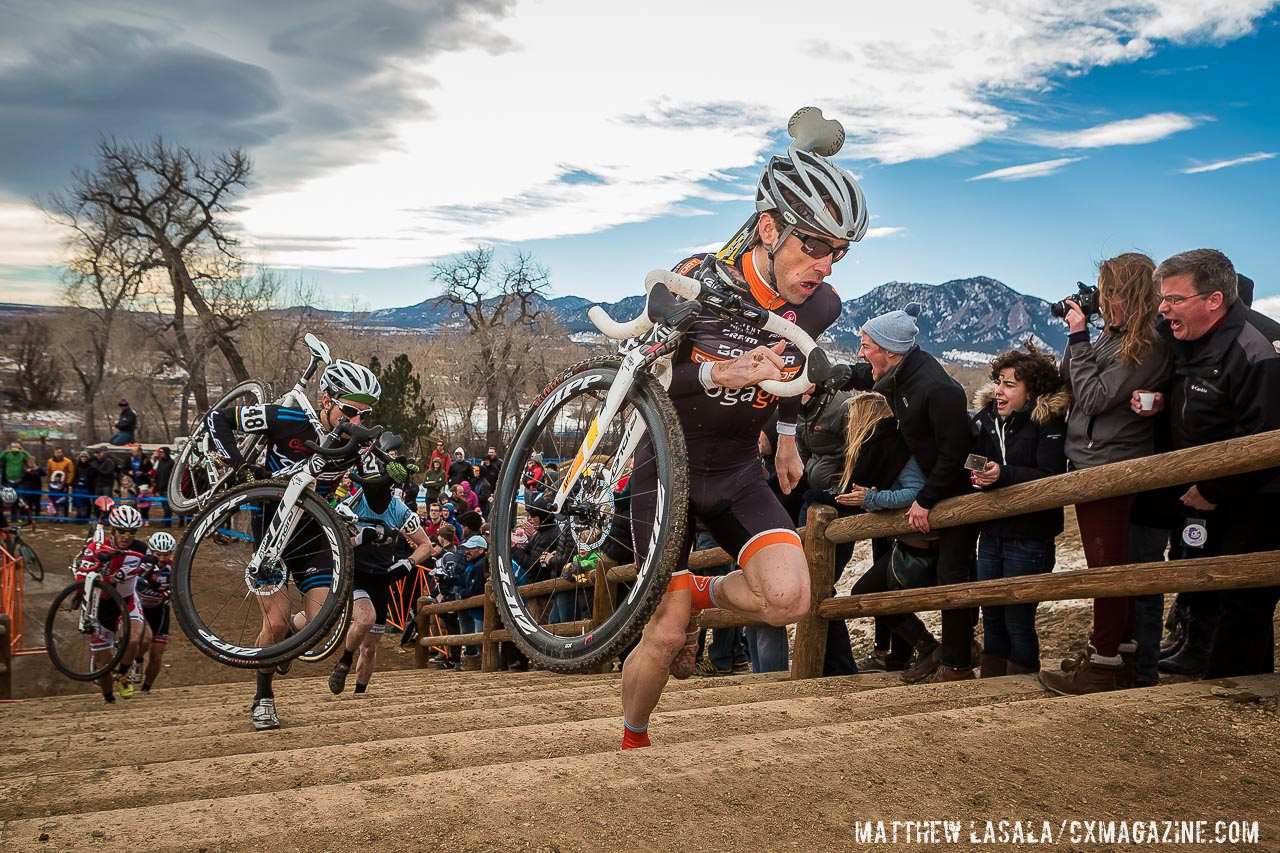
[352,411]
[817,248]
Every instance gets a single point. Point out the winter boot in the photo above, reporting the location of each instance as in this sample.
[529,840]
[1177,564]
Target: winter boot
[993,666]
[1016,668]
[1094,674]
[1193,657]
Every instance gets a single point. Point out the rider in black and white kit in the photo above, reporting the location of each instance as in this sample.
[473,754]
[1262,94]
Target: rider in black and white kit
[808,212]
[348,392]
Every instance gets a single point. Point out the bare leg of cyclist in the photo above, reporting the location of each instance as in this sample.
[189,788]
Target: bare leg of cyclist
[155,659]
[366,659]
[773,586]
[647,668]
[107,681]
[362,616]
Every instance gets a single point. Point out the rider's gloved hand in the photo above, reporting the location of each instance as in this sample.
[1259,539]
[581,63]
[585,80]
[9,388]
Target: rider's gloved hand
[249,473]
[399,473]
[400,569]
[367,536]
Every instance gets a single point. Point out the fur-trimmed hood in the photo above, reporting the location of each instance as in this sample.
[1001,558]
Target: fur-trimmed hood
[1046,408]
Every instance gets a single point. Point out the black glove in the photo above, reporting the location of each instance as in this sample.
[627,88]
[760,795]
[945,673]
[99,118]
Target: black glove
[400,569]
[247,472]
[368,536]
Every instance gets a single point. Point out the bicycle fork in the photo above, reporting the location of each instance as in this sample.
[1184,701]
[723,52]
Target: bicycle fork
[278,532]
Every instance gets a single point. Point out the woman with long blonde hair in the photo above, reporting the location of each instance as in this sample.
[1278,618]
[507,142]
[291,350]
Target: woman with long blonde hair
[880,474]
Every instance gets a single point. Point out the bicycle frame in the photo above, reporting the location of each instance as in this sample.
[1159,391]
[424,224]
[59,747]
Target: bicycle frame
[647,341]
[89,606]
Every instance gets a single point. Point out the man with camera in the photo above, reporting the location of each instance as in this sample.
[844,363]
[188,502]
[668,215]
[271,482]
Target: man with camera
[1226,384]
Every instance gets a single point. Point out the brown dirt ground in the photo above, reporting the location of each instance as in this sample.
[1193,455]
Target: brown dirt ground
[477,762]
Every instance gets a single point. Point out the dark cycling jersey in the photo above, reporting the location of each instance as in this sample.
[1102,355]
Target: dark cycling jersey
[286,430]
[727,486]
[722,426]
[153,586]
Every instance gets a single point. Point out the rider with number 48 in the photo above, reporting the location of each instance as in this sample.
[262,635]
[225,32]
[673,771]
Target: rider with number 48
[349,391]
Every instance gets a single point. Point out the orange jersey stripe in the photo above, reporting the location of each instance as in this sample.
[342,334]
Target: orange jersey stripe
[764,294]
[764,540]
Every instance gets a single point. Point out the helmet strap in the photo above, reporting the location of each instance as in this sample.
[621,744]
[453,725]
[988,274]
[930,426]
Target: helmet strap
[770,250]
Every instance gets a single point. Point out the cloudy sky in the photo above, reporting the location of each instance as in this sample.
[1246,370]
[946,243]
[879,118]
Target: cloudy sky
[1018,139]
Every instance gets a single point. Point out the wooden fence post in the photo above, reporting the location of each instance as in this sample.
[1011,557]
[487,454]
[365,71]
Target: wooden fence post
[489,646]
[421,620]
[811,630]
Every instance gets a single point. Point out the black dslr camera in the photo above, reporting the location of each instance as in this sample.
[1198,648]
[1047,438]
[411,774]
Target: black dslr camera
[1086,298]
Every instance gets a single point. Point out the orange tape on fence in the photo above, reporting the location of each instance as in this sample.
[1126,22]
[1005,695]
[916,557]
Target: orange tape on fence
[11,577]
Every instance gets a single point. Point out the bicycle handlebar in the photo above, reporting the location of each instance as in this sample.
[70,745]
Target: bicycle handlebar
[691,289]
[358,435]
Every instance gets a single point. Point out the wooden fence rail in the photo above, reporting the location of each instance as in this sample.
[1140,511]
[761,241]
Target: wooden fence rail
[824,531]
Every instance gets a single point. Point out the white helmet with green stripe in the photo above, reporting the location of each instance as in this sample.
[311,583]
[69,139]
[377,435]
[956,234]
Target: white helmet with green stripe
[351,381]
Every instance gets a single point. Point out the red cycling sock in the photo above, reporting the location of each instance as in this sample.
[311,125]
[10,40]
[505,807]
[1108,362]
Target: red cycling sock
[700,592]
[634,740]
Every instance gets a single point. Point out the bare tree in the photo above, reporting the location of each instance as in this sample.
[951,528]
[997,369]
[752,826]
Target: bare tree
[497,304]
[166,195]
[38,373]
[106,267]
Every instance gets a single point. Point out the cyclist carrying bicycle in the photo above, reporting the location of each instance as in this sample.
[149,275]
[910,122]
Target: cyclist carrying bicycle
[13,508]
[120,559]
[348,393]
[809,211]
[153,594]
[383,518]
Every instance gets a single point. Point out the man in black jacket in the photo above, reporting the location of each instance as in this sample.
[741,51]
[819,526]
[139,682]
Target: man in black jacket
[934,420]
[126,425]
[104,473]
[1226,384]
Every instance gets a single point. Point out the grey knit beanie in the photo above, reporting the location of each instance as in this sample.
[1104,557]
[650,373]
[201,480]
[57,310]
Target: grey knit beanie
[895,331]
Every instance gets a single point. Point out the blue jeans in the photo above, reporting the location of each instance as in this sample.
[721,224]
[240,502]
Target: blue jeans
[1010,630]
[569,606]
[767,649]
[471,622]
[726,646]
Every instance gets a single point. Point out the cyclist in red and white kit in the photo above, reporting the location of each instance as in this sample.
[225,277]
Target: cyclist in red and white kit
[808,213]
[120,559]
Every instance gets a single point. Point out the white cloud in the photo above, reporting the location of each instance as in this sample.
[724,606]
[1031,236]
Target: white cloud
[1027,170]
[1269,305]
[884,231]
[1134,131]
[560,120]
[1227,164]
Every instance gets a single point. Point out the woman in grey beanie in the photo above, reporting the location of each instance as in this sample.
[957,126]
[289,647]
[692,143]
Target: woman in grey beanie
[895,331]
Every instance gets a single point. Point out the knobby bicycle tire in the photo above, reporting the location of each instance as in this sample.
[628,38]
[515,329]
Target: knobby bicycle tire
[68,648]
[31,560]
[553,427]
[333,640]
[214,606]
[250,444]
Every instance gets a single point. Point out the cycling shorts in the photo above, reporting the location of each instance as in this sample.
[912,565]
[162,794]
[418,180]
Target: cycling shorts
[307,556]
[104,639]
[376,589]
[158,618]
[736,506]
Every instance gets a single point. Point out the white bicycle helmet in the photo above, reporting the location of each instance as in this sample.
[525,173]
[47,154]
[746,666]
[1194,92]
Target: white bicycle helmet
[813,194]
[351,381]
[8,495]
[162,543]
[124,517]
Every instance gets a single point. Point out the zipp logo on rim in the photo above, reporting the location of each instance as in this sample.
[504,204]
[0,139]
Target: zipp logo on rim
[564,391]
